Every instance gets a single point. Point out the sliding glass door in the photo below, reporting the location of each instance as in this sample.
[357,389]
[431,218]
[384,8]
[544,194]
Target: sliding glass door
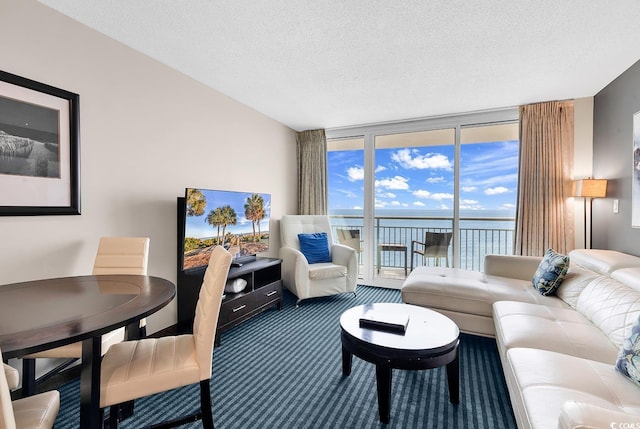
[431,192]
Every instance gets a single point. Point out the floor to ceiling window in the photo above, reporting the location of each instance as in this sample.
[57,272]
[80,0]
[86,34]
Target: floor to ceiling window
[396,189]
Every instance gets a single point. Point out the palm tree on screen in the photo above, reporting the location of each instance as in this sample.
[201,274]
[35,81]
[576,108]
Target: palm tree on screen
[254,211]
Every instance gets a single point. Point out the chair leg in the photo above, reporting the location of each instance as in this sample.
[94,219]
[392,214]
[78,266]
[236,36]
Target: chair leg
[205,404]
[114,415]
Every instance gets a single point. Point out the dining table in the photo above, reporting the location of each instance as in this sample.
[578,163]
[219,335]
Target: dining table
[44,314]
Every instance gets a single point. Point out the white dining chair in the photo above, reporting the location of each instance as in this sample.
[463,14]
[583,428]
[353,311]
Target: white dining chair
[115,255]
[134,369]
[35,412]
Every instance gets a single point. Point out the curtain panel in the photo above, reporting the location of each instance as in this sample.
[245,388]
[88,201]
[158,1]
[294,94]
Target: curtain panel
[311,149]
[544,219]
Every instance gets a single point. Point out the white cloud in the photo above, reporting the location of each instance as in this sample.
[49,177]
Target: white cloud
[469,202]
[355,173]
[422,193]
[496,191]
[469,188]
[406,159]
[444,207]
[382,194]
[419,204]
[435,179]
[380,168]
[395,203]
[397,182]
[441,196]
[508,206]
[357,208]
[470,205]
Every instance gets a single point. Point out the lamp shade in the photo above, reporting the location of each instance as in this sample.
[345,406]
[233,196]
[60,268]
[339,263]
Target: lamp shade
[590,188]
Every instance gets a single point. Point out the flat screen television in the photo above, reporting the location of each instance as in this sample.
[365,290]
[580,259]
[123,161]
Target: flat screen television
[239,221]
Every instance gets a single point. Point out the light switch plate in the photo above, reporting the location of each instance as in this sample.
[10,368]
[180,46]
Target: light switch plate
[615,206]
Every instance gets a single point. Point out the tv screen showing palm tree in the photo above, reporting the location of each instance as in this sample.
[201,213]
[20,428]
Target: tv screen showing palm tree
[239,221]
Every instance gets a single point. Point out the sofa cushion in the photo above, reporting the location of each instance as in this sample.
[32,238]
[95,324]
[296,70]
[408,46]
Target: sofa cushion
[603,261]
[315,247]
[575,281]
[545,380]
[550,272]
[628,363]
[563,330]
[611,306]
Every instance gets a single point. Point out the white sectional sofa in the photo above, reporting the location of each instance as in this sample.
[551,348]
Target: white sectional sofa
[558,352]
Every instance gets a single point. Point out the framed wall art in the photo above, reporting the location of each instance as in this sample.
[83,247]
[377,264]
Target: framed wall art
[39,148]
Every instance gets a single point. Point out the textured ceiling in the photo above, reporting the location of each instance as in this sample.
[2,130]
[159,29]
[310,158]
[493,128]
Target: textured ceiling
[329,63]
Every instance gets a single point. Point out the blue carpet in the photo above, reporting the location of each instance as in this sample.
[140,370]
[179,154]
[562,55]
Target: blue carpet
[282,369]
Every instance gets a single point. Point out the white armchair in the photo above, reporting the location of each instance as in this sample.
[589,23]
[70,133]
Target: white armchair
[307,280]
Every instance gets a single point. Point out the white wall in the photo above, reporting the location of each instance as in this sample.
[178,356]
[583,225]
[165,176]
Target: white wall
[147,132]
[582,160]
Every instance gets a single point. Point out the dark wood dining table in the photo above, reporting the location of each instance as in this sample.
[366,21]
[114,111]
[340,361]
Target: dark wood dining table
[44,314]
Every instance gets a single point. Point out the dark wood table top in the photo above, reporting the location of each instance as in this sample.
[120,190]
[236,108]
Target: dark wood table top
[428,332]
[43,314]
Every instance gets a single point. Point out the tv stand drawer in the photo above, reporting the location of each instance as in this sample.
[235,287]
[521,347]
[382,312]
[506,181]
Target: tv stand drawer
[236,308]
[268,294]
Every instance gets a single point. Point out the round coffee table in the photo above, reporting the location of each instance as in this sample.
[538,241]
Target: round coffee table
[430,341]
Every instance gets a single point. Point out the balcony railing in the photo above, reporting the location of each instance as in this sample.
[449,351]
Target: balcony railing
[478,236]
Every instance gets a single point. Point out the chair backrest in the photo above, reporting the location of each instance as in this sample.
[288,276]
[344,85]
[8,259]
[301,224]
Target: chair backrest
[208,308]
[122,255]
[349,237]
[7,419]
[438,242]
[292,225]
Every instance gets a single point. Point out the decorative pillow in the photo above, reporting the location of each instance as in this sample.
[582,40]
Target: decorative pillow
[551,272]
[315,247]
[628,363]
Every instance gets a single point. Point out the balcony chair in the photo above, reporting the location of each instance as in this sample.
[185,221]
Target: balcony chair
[435,245]
[115,255]
[35,412]
[351,238]
[134,369]
[336,273]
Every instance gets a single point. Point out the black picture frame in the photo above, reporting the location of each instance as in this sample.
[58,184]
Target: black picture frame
[39,148]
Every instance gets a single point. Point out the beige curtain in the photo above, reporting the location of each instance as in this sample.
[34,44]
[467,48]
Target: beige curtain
[312,172]
[544,218]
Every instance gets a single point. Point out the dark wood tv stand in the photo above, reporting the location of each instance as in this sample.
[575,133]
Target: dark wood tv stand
[263,291]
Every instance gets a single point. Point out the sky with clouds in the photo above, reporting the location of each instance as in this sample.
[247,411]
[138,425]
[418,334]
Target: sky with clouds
[422,178]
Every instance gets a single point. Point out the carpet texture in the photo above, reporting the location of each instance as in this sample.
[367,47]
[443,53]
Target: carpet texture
[282,369]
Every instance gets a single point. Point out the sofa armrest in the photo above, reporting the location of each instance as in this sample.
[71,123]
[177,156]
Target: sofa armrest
[581,415]
[510,266]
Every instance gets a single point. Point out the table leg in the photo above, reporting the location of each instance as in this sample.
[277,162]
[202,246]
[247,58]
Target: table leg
[28,377]
[453,379]
[346,362]
[90,415]
[383,381]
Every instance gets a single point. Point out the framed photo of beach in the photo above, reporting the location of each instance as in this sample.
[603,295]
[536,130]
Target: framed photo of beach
[39,148]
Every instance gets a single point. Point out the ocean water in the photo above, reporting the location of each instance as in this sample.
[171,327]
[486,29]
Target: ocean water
[481,231]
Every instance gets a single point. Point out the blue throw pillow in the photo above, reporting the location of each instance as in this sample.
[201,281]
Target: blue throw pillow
[551,272]
[315,247]
[628,363]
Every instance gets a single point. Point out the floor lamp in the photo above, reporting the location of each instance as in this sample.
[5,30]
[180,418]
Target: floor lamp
[589,189]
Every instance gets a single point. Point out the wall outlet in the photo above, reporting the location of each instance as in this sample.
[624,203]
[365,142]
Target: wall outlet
[615,206]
